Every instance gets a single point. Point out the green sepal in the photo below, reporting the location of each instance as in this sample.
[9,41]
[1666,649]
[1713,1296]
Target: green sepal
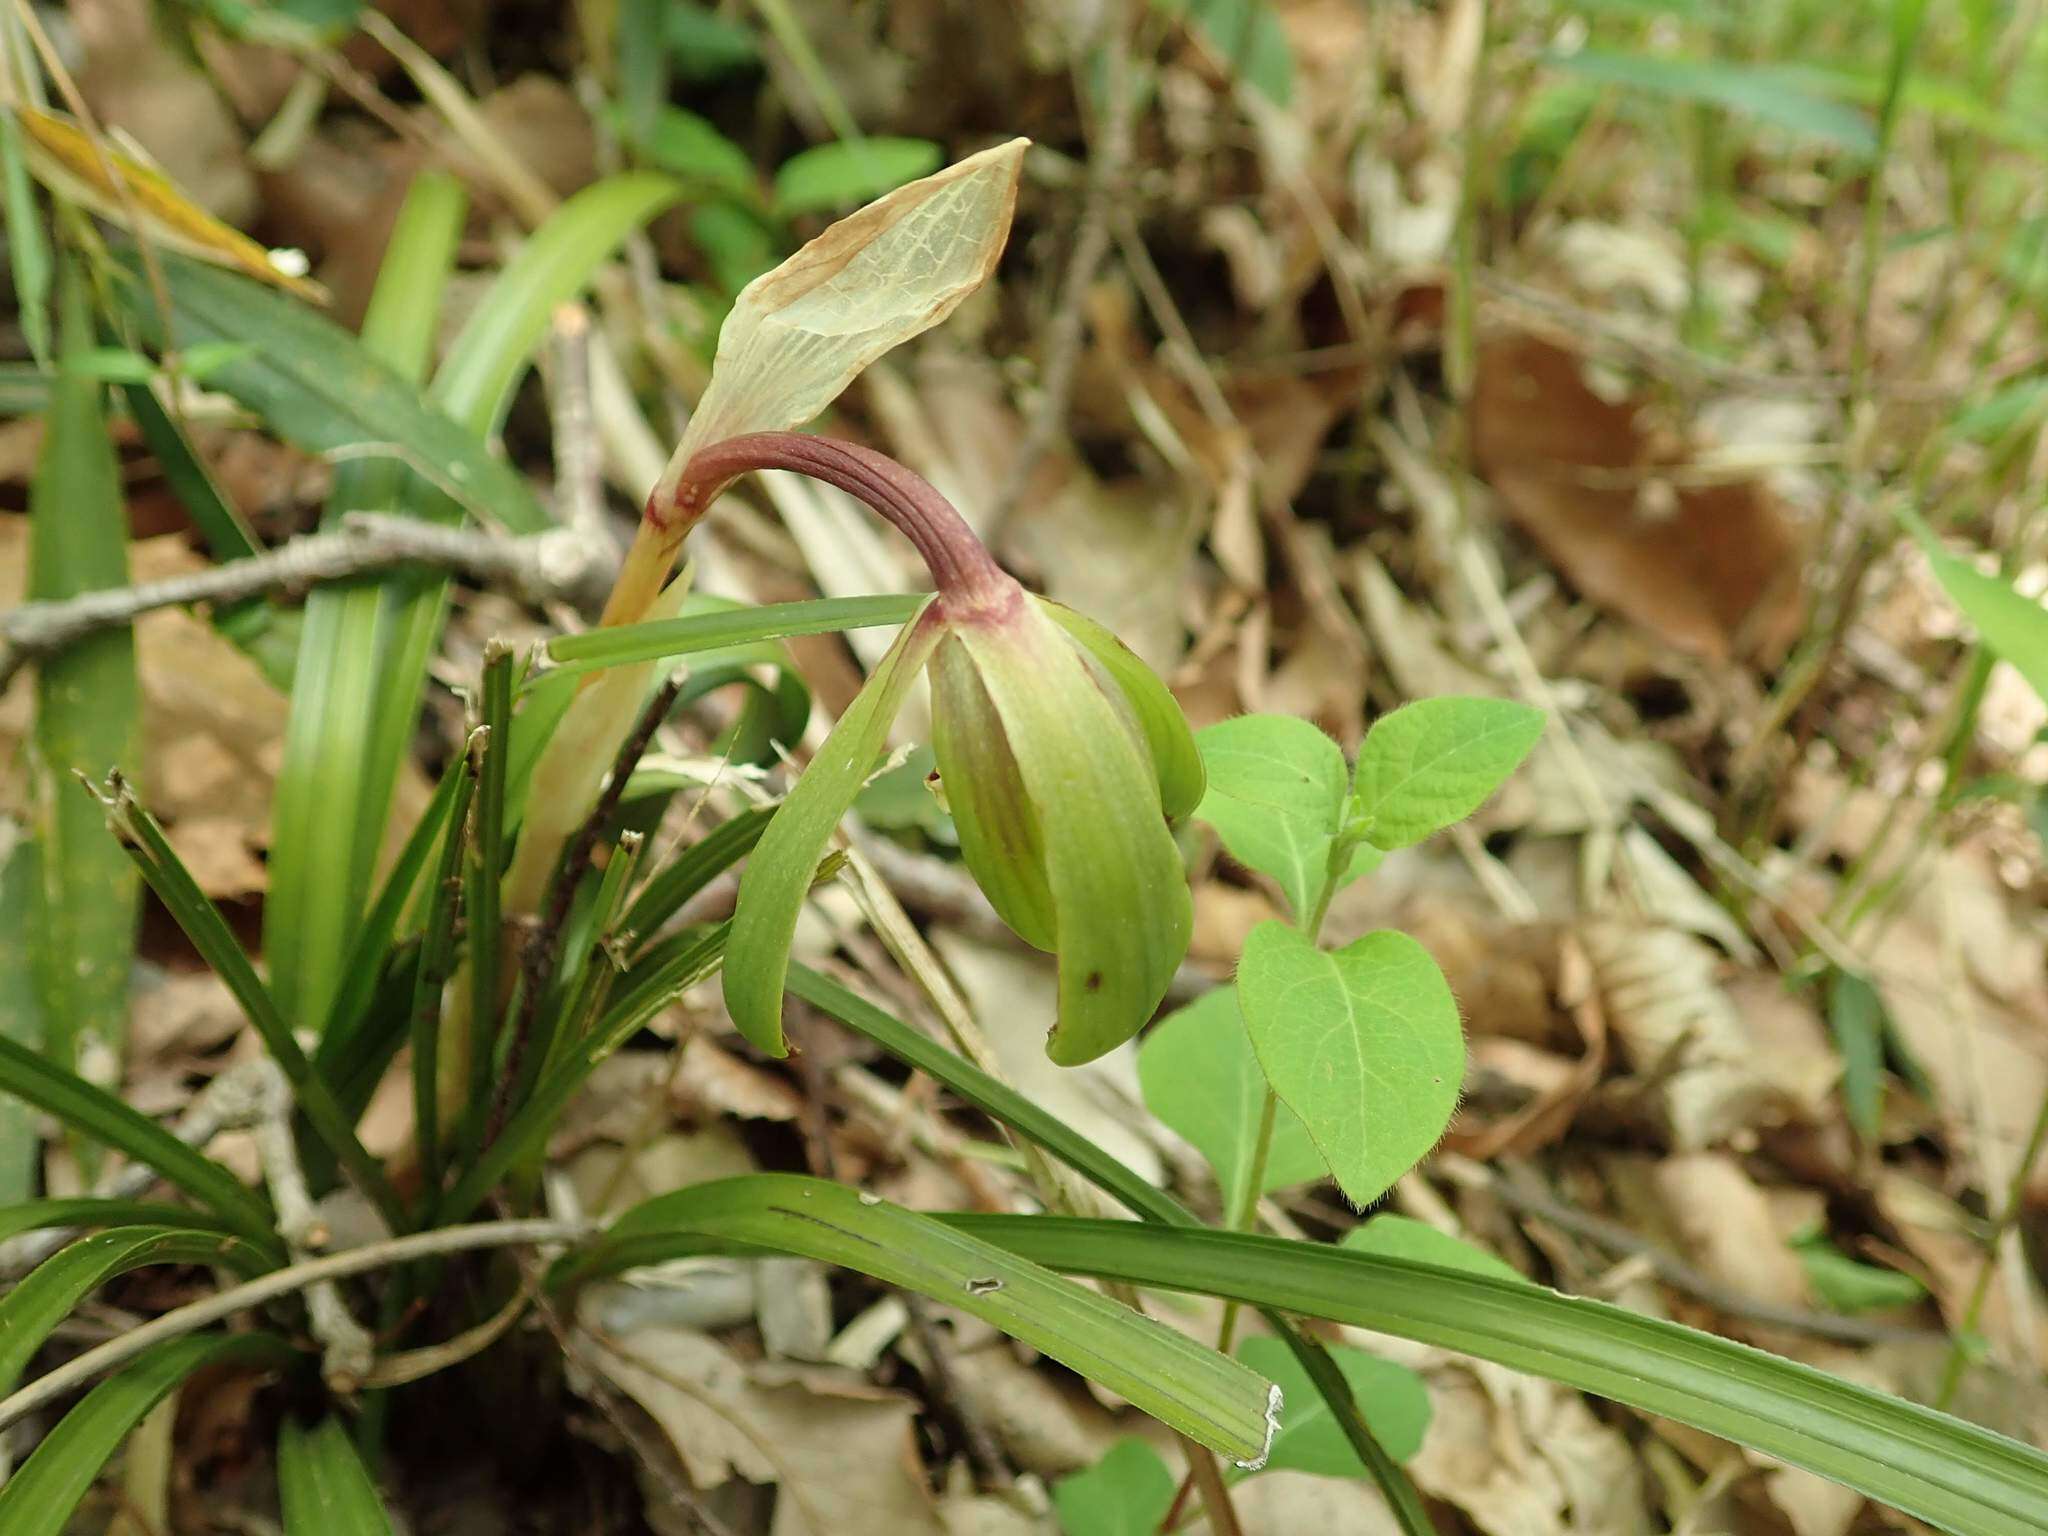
[1120,897]
[785,861]
[1175,758]
[992,811]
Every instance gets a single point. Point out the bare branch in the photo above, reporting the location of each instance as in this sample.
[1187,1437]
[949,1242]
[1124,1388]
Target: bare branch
[558,564]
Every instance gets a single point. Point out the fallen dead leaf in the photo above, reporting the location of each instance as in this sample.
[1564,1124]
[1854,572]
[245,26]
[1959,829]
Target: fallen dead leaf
[1712,568]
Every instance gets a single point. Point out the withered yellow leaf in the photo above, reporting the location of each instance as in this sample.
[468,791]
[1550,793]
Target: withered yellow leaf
[65,159]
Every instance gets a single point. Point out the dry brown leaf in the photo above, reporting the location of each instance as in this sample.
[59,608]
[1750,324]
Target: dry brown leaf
[1676,1026]
[1712,568]
[1727,1227]
[843,1454]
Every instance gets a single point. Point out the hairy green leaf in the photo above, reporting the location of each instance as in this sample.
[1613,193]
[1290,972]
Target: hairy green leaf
[1200,1077]
[1364,1044]
[1432,763]
[1276,798]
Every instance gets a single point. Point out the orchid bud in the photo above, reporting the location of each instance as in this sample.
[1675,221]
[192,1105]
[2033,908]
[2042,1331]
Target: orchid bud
[1061,756]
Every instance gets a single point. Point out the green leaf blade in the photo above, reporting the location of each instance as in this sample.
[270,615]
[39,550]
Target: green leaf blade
[1950,1473]
[838,175]
[1199,1076]
[1276,798]
[1393,1399]
[1430,764]
[1212,1399]
[785,860]
[1364,1044]
[322,1485]
[1127,1493]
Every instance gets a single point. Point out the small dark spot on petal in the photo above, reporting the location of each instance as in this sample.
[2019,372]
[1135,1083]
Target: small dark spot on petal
[1094,982]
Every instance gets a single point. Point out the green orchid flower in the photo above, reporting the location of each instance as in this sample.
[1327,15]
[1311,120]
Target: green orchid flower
[1064,759]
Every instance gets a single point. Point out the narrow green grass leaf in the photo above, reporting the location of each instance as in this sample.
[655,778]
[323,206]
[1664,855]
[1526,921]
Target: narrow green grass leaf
[28,247]
[658,639]
[95,1113]
[1127,1493]
[690,871]
[1005,1105]
[2014,626]
[91,1211]
[1763,94]
[1856,1018]
[326,817]
[1200,1077]
[203,924]
[320,388]
[1364,1044]
[86,714]
[436,965]
[1276,798]
[322,1484]
[21,1010]
[483,879]
[41,1497]
[49,1292]
[1430,764]
[1183,1384]
[692,960]
[1952,1474]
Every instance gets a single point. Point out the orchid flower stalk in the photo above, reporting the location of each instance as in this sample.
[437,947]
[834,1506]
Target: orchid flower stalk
[1063,758]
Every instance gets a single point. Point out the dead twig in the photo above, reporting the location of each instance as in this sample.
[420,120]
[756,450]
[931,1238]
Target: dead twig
[560,564]
[1673,1271]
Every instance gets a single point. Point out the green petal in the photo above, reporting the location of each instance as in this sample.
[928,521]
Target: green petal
[784,862]
[1120,896]
[999,833]
[1174,756]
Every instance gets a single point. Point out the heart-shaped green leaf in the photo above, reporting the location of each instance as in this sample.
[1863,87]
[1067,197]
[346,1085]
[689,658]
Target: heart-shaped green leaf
[1364,1044]
[1200,1077]
[1434,762]
[1127,1493]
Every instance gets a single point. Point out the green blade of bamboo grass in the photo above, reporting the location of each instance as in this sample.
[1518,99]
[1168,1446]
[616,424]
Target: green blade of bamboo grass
[318,387]
[1216,1400]
[363,969]
[92,1211]
[86,714]
[28,247]
[437,964]
[494,348]
[323,1488]
[689,872]
[21,1008]
[527,1129]
[49,1292]
[484,878]
[98,1114]
[1940,1469]
[1008,1107]
[203,924]
[24,389]
[475,385]
[41,1497]
[624,644]
[322,844]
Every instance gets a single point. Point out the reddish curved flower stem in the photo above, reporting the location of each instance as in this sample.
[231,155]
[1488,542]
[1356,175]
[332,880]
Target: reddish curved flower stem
[966,575]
